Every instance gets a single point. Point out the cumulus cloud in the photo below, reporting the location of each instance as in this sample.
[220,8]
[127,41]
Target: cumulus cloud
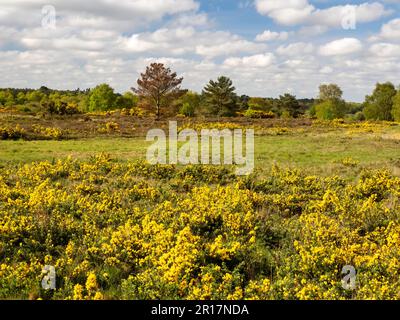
[295,12]
[289,12]
[255,61]
[385,50]
[123,12]
[341,47]
[389,31]
[269,35]
[296,49]
[190,41]
[107,41]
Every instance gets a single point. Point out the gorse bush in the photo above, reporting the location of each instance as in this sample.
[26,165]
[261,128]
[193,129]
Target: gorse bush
[15,133]
[130,230]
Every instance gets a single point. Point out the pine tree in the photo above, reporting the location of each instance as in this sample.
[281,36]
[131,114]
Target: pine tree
[220,97]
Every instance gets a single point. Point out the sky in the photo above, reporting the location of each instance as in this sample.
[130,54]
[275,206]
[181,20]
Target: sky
[267,47]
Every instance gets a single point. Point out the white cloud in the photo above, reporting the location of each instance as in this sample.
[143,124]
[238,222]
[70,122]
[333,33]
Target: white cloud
[255,61]
[297,12]
[296,49]
[326,70]
[290,12]
[389,31]
[341,47]
[106,41]
[95,13]
[385,50]
[269,35]
[190,41]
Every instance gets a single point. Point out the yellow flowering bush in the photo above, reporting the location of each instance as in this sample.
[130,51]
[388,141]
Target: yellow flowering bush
[48,133]
[131,230]
[8,133]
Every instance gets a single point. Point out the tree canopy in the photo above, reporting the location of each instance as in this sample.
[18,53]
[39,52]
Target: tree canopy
[220,97]
[159,85]
[379,105]
[102,98]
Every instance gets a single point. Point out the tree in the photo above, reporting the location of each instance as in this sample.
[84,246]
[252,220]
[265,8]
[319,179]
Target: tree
[102,98]
[21,99]
[379,105]
[34,96]
[262,104]
[8,99]
[289,104]
[396,107]
[128,101]
[187,110]
[331,104]
[330,109]
[220,97]
[243,102]
[189,103]
[159,86]
[330,92]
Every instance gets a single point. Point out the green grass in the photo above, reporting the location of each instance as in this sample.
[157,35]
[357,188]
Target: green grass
[320,153]
[28,151]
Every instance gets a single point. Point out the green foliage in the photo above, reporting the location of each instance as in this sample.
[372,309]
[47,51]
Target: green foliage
[21,98]
[187,110]
[330,109]
[359,116]
[127,101]
[396,107]
[220,97]
[330,92]
[243,102]
[189,104]
[102,98]
[60,108]
[256,103]
[7,98]
[289,105]
[379,105]
[331,105]
[34,96]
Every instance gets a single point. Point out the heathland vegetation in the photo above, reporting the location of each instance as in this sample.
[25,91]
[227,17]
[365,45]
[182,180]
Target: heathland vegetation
[76,194]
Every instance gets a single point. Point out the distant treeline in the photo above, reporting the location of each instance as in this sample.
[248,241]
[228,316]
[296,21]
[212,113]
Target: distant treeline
[158,93]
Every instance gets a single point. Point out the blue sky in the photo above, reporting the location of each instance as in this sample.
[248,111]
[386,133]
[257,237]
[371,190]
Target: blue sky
[268,47]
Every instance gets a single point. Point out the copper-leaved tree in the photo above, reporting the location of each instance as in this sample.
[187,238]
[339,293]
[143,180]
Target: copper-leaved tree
[159,86]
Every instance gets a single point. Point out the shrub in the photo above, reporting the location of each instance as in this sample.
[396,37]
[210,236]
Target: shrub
[258,114]
[330,110]
[16,133]
[187,110]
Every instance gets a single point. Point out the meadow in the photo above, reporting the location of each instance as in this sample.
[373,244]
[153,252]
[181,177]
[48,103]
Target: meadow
[77,194]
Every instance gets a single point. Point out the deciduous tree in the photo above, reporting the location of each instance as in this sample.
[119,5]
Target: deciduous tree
[379,105]
[331,104]
[396,107]
[159,86]
[102,98]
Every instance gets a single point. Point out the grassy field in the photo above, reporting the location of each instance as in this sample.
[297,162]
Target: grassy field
[319,151]
[323,195]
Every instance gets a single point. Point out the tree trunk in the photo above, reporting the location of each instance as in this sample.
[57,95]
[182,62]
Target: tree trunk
[158,111]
